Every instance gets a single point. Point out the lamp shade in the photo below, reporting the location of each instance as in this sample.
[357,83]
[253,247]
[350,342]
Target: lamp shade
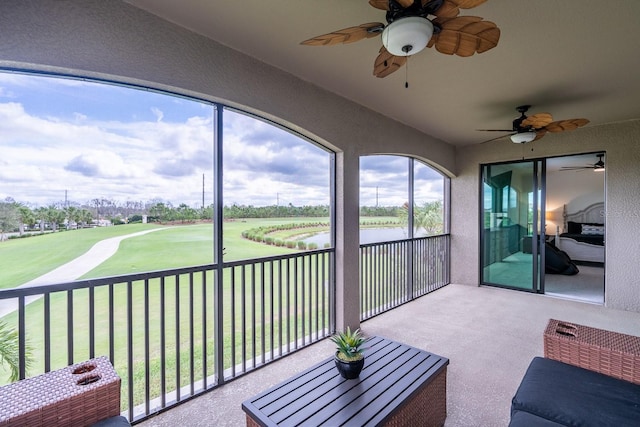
[522,137]
[407,36]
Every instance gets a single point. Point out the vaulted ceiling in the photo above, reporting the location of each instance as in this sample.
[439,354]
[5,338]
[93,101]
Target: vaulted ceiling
[571,58]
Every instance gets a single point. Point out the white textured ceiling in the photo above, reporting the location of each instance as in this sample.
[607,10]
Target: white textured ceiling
[571,58]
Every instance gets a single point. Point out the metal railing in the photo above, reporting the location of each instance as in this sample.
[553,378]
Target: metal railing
[393,273]
[157,328]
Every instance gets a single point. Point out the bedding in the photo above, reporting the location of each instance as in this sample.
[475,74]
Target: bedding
[592,239]
[580,227]
[584,237]
[558,262]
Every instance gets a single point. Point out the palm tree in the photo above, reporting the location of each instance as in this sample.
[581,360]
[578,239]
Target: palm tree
[9,352]
[25,216]
[86,217]
[428,217]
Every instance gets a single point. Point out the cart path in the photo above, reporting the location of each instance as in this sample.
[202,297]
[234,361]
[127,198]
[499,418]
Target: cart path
[74,269]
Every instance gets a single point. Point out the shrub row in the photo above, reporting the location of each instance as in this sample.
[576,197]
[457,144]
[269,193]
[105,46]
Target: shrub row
[260,234]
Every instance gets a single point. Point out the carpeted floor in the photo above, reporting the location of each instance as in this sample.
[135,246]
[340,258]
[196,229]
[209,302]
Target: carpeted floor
[587,285]
[515,271]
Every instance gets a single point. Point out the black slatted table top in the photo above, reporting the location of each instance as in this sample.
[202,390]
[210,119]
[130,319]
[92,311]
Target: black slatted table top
[393,373]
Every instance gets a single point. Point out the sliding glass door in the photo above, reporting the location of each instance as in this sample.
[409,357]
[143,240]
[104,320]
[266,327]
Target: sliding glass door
[512,227]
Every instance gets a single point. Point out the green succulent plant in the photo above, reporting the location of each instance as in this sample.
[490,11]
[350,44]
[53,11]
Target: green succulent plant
[349,344]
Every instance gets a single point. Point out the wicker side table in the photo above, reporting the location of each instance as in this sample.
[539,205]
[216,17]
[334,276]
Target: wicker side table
[77,395]
[610,353]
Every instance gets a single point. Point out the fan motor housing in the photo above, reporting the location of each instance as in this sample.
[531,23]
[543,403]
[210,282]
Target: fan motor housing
[396,11]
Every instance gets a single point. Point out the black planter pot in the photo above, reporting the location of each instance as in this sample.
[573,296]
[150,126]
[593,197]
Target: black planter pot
[349,370]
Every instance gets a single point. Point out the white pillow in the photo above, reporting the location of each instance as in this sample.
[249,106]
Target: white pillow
[593,229]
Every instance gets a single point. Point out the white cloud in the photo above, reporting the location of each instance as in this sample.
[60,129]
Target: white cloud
[101,164]
[123,144]
[45,156]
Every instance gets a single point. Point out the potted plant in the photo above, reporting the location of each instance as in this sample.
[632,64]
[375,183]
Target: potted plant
[349,356]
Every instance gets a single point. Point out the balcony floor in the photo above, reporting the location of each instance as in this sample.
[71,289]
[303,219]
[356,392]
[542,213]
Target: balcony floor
[490,335]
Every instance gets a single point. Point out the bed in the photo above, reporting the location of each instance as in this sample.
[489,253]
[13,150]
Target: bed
[583,236]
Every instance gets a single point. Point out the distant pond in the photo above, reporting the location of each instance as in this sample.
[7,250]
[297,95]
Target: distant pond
[367,235]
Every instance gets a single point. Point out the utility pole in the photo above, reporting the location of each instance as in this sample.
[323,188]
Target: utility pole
[202,191]
[376,196]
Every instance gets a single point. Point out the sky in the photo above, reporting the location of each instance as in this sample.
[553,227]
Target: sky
[76,140]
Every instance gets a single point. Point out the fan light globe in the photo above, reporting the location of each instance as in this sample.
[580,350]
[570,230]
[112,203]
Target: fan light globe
[407,36]
[522,137]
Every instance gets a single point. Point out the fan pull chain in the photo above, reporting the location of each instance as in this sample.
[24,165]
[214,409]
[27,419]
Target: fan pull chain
[386,64]
[406,74]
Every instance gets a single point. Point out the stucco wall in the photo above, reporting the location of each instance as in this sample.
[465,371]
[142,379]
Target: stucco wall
[621,142]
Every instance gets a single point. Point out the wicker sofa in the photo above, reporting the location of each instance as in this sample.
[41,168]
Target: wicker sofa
[588,377]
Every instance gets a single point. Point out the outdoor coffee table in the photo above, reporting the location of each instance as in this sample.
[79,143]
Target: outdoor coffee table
[399,385]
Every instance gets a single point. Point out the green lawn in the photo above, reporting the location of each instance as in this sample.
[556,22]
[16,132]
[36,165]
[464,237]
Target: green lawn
[170,247]
[22,260]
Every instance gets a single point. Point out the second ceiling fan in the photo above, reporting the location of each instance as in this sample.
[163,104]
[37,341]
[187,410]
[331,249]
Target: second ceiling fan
[526,129]
[409,30]
[596,167]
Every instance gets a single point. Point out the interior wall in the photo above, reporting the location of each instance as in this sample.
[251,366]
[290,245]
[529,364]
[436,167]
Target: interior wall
[621,142]
[575,189]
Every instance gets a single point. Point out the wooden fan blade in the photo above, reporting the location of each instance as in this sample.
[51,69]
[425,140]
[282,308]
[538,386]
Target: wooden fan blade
[380,4]
[387,63]
[539,134]
[347,35]
[563,125]
[537,121]
[447,10]
[451,8]
[465,35]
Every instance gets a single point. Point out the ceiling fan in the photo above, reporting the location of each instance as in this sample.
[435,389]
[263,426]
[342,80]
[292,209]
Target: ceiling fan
[527,129]
[597,166]
[409,30]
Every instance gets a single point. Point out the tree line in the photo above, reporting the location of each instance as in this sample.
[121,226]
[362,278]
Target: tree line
[16,217]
